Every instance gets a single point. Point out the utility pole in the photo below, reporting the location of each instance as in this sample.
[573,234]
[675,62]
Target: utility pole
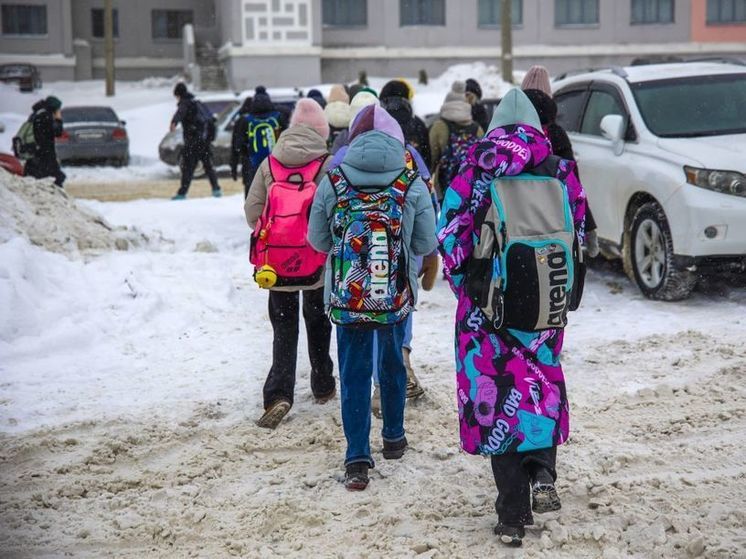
[506,30]
[109,47]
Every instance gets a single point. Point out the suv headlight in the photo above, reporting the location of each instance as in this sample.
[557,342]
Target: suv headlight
[727,182]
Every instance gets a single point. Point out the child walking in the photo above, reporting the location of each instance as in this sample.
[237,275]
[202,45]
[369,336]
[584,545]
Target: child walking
[372,214]
[297,163]
[509,233]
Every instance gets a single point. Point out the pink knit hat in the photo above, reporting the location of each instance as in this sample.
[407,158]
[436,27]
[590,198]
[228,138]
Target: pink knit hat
[537,77]
[309,112]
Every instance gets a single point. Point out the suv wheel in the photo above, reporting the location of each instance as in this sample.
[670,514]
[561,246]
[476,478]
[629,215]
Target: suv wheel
[651,258]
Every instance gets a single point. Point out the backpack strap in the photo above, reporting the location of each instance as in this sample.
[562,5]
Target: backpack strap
[401,184]
[306,173]
[413,156]
[338,180]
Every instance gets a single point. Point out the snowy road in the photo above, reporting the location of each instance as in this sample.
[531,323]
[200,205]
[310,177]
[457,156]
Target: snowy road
[130,381]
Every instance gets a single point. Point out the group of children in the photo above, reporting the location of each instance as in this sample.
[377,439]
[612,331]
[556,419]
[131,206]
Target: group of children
[344,211]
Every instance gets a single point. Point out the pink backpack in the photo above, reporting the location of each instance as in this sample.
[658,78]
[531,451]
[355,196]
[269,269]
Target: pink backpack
[279,248]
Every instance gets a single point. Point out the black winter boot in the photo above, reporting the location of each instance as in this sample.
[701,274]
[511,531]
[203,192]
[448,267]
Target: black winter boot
[543,492]
[395,450]
[511,536]
[356,476]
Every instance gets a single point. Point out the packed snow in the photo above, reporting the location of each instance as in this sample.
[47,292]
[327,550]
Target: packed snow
[130,380]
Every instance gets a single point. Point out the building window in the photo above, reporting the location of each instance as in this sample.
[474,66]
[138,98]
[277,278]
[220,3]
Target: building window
[575,12]
[169,24]
[489,13]
[726,11]
[24,20]
[652,11]
[345,13]
[422,12]
[97,23]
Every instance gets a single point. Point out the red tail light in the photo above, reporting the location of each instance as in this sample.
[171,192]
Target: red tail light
[119,134]
[65,137]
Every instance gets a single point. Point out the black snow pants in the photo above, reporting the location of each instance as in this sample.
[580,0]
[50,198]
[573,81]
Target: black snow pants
[41,166]
[284,315]
[514,474]
[190,157]
[248,171]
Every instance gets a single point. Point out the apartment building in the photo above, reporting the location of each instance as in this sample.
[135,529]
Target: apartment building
[300,42]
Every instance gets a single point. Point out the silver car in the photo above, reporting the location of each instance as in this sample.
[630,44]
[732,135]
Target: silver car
[93,134]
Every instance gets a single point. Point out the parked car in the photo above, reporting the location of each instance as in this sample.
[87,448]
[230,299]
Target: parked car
[170,147]
[11,164]
[93,134]
[660,150]
[25,75]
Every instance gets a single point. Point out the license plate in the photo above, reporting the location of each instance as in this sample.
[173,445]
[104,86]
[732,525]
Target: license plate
[90,135]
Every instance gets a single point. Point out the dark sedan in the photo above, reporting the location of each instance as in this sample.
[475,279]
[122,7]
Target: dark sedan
[93,134]
[25,75]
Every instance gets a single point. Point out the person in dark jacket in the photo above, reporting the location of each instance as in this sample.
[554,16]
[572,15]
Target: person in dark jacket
[547,110]
[562,147]
[197,148]
[396,98]
[262,115]
[478,110]
[47,122]
[239,146]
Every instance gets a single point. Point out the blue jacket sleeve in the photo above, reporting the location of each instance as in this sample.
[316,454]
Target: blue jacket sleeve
[424,240]
[320,220]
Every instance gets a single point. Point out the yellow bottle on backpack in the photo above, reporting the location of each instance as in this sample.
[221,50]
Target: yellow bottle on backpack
[266,277]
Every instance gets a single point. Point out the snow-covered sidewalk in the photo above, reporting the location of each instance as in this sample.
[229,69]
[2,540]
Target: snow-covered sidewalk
[129,383]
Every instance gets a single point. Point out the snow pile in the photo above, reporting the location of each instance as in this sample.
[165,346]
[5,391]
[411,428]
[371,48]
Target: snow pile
[47,217]
[488,76]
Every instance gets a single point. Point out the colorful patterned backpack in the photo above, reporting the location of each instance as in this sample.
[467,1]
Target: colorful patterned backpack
[460,139]
[279,248]
[370,274]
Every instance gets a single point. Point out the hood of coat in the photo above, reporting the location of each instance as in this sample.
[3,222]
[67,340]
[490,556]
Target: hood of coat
[299,145]
[39,105]
[515,108]
[456,111]
[516,126]
[529,144]
[375,152]
[338,114]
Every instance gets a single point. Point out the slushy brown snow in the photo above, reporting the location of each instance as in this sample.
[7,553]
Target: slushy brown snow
[129,383]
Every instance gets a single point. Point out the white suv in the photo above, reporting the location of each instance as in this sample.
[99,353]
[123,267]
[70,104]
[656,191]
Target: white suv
[661,151]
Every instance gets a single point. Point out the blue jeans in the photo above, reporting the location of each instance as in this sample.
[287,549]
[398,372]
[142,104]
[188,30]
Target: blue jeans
[406,344]
[356,359]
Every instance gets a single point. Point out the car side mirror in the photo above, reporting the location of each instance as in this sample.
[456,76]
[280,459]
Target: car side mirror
[123,122]
[612,128]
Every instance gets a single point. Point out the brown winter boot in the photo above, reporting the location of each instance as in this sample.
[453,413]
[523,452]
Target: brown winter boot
[414,388]
[274,414]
